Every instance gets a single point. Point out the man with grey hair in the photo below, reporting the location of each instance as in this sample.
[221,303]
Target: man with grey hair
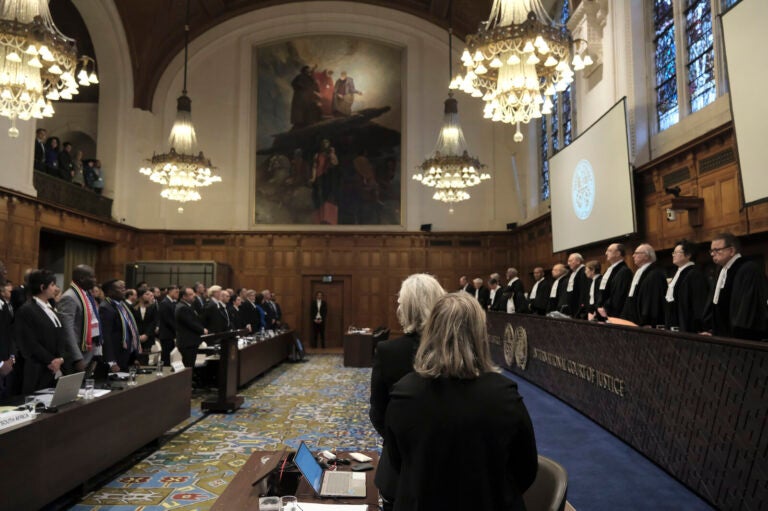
[645,300]
[615,283]
[481,293]
[514,293]
[215,316]
[577,290]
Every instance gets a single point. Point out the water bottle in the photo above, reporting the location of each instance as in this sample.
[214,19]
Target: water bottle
[262,333]
[159,368]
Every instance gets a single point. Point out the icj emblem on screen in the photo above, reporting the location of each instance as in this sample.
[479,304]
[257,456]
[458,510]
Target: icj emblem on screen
[583,190]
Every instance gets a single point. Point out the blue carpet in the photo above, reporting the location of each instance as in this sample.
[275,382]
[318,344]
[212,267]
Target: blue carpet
[604,473]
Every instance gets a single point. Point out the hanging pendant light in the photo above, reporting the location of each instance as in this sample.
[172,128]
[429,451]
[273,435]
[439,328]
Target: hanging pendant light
[180,171]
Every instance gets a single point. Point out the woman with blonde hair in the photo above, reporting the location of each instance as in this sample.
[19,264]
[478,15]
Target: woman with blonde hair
[457,431]
[394,359]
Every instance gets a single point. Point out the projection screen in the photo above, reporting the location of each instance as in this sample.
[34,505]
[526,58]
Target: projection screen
[743,29]
[591,182]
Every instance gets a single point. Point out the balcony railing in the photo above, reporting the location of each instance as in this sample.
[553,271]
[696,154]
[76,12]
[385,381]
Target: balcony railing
[71,196]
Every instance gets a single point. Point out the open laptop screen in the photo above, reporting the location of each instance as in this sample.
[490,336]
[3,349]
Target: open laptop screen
[309,466]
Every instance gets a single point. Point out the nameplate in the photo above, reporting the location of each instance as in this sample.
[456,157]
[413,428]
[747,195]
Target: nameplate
[10,419]
[177,366]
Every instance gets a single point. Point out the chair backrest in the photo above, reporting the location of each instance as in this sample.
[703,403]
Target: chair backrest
[549,489]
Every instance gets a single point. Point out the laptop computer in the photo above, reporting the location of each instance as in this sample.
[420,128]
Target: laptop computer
[66,390]
[328,483]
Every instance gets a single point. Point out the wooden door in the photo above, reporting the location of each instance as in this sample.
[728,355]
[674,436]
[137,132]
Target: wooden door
[334,322]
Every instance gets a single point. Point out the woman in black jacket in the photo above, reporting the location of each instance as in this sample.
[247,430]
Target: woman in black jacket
[457,431]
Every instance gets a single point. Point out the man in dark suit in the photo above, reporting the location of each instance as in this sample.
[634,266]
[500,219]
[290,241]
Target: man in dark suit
[249,313]
[120,332]
[614,286]
[40,136]
[538,299]
[39,335]
[317,312]
[645,300]
[7,344]
[166,323]
[272,319]
[200,298]
[738,306]
[481,293]
[577,290]
[514,293]
[189,328]
[215,316]
[558,289]
[66,164]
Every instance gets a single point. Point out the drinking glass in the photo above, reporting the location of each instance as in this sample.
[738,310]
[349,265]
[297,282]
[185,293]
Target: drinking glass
[159,368]
[90,384]
[30,402]
[289,503]
[132,376]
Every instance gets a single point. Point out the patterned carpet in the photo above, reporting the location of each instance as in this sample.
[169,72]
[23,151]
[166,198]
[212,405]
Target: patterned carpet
[320,402]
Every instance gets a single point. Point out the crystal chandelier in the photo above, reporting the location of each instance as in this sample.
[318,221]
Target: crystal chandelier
[518,61]
[451,170]
[38,63]
[180,171]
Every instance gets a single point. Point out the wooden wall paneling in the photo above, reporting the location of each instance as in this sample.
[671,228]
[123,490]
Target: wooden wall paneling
[757,218]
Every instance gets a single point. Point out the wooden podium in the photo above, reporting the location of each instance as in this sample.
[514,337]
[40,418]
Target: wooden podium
[226,399]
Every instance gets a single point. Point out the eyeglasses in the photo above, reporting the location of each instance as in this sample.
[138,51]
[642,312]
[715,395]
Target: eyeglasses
[718,250]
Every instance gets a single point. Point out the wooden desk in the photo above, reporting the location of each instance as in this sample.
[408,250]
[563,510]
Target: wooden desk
[358,350]
[241,495]
[259,357]
[53,454]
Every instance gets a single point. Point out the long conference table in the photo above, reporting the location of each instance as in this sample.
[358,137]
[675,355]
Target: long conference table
[697,406]
[255,359]
[53,454]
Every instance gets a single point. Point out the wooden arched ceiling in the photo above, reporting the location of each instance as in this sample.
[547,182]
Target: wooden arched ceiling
[154,28]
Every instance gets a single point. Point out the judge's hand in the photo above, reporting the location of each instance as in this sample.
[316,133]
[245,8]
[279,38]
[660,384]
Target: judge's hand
[248,326]
[79,365]
[114,368]
[205,331]
[706,333]
[601,311]
[143,338]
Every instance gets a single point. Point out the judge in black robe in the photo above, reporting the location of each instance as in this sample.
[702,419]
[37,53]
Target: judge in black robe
[686,297]
[481,293]
[557,292]
[515,291]
[577,288]
[741,310]
[539,297]
[615,283]
[497,303]
[645,306]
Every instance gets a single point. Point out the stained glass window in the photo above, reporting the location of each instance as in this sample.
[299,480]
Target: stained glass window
[565,109]
[664,59]
[727,4]
[554,121]
[544,161]
[701,53]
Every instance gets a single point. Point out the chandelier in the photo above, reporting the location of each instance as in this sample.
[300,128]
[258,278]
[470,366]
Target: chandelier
[38,63]
[518,61]
[180,171]
[451,170]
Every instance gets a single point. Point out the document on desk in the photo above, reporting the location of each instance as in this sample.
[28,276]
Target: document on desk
[309,506]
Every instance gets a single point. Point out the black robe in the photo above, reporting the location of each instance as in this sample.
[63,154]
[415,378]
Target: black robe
[578,299]
[741,309]
[538,305]
[614,295]
[687,310]
[646,307]
[558,302]
[39,341]
[516,292]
